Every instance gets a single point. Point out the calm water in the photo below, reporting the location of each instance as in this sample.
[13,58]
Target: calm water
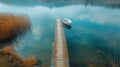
[93,40]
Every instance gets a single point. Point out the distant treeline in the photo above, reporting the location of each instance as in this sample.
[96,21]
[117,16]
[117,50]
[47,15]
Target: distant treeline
[60,3]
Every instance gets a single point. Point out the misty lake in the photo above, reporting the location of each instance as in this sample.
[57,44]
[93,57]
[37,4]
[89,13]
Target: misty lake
[92,41]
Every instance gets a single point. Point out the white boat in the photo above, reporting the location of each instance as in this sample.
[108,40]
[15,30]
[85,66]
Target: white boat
[66,21]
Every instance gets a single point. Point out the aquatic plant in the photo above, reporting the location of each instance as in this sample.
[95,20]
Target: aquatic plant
[112,54]
[7,51]
[29,62]
[16,59]
[12,57]
[12,27]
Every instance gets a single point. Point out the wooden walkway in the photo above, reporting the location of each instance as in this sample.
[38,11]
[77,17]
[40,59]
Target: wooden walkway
[60,52]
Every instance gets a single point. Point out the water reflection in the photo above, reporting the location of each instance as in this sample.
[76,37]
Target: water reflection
[91,45]
[67,26]
[93,40]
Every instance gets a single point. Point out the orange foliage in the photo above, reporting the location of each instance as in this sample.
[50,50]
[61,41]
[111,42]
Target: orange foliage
[12,25]
[16,59]
[7,50]
[29,62]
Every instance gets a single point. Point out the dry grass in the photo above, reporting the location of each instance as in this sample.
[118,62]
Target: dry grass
[4,62]
[7,50]
[11,56]
[29,62]
[12,25]
[16,59]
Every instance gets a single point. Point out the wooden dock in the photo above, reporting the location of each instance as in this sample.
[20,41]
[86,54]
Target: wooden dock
[60,52]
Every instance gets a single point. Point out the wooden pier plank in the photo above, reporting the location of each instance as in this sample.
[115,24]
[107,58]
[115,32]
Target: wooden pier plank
[60,52]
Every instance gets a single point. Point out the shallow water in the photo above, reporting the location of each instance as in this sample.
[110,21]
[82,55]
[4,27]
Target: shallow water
[93,40]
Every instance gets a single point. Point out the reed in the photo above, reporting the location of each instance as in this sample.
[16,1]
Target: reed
[7,51]
[12,26]
[16,59]
[29,62]
[112,54]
